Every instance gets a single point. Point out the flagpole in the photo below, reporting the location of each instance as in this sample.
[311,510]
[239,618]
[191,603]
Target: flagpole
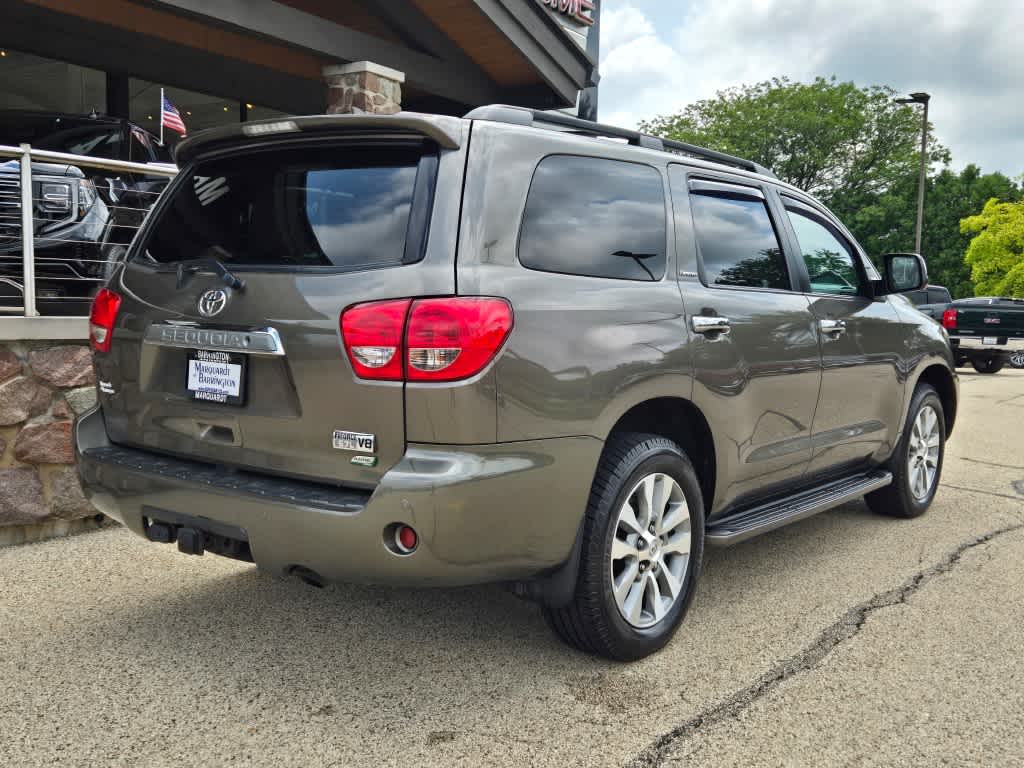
[161,117]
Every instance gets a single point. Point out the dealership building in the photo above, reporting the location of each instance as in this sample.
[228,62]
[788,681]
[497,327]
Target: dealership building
[237,60]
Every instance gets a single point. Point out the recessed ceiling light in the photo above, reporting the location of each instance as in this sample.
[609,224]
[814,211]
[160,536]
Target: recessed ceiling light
[248,106]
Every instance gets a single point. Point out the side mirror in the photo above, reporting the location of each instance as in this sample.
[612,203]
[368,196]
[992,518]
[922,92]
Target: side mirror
[903,272]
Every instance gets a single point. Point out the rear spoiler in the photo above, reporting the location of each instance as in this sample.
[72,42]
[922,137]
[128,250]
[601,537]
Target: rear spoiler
[446,131]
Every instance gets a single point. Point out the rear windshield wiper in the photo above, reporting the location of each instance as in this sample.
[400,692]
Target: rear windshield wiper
[638,258]
[186,269]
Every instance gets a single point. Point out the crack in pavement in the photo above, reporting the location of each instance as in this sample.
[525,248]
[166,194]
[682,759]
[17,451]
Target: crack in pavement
[1009,496]
[991,463]
[849,624]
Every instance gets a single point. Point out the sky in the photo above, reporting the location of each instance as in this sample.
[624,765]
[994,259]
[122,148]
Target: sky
[657,56]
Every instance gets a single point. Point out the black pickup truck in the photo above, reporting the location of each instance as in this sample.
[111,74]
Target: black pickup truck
[986,331]
[83,218]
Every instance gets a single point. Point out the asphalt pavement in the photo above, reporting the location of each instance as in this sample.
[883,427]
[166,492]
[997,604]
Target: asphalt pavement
[848,639]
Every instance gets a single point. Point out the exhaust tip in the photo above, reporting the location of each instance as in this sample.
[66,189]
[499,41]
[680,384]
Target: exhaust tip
[401,539]
[308,576]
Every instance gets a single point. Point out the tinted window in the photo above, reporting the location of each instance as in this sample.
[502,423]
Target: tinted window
[329,207]
[917,297]
[939,296]
[737,242]
[602,218]
[77,136]
[830,264]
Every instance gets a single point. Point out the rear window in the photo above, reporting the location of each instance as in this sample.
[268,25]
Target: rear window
[737,242]
[329,207]
[595,217]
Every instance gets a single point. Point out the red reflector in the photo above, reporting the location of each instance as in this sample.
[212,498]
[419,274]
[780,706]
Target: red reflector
[949,319]
[102,318]
[454,338]
[372,334]
[406,538]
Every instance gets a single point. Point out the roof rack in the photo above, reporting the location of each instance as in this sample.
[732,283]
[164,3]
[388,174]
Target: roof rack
[502,113]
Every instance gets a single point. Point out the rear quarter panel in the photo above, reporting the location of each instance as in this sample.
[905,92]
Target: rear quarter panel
[583,349]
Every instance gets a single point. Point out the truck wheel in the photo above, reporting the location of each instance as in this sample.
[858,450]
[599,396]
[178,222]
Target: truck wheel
[1017,360]
[916,464]
[643,539]
[988,364]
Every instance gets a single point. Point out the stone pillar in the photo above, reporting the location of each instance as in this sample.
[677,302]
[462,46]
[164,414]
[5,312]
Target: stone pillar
[363,88]
[43,389]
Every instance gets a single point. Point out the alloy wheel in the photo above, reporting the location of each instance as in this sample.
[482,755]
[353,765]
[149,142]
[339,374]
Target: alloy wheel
[923,454]
[650,550]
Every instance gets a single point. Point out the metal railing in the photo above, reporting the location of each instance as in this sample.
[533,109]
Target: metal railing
[77,255]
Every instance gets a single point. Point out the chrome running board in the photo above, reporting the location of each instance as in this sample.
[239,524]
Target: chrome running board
[747,523]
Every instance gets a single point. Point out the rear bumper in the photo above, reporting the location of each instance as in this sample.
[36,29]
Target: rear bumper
[976,344]
[483,513]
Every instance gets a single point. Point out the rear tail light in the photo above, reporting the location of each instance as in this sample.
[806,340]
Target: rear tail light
[373,338]
[949,319]
[102,319]
[444,339]
[450,339]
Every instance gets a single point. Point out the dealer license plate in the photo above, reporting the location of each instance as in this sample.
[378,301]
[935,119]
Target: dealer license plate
[216,377]
[990,340]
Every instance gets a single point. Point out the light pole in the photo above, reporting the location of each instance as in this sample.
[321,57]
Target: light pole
[920,98]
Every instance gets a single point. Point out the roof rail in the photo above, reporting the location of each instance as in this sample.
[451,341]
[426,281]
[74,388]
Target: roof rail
[502,113]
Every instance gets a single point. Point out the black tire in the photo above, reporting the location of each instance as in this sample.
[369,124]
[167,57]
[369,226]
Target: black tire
[1017,360]
[591,621]
[988,364]
[897,499]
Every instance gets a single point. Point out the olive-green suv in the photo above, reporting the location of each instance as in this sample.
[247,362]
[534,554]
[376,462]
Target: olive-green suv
[428,350]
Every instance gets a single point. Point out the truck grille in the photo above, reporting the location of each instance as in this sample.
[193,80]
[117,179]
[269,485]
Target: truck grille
[10,208]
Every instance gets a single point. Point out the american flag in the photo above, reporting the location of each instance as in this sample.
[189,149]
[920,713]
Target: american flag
[169,117]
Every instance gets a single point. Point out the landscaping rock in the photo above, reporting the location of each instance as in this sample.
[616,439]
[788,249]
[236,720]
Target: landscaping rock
[21,497]
[64,366]
[9,364]
[81,399]
[20,399]
[45,444]
[66,498]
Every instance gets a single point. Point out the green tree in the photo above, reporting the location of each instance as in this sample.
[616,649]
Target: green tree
[996,253]
[886,224]
[847,145]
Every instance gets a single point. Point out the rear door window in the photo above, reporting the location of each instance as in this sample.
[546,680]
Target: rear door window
[595,217]
[736,240]
[330,207]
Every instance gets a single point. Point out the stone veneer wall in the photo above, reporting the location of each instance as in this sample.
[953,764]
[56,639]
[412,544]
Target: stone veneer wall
[43,388]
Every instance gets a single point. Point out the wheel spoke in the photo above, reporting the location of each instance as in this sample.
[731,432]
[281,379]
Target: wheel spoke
[677,514]
[625,580]
[659,499]
[678,544]
[623,549]
[645,495]
[627,517]
[658,607]
[633,605]
[672,584]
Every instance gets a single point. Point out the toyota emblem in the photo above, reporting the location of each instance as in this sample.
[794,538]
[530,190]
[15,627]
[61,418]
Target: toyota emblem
[212,302]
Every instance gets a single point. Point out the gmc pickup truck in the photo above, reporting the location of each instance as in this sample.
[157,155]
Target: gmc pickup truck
[985,331]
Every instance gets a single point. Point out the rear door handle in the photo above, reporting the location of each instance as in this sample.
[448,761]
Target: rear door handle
[832,327]
[706,324]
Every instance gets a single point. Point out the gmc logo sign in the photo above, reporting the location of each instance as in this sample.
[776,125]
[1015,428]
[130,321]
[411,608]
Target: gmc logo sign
[580,10]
